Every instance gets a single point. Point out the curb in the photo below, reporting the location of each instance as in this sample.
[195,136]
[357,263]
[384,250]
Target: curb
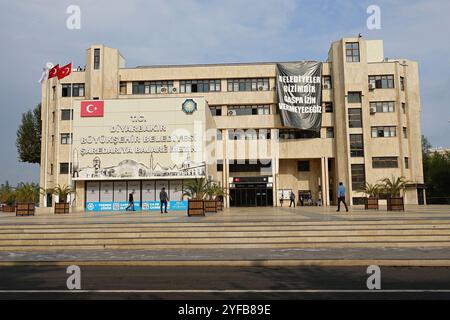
[234,263]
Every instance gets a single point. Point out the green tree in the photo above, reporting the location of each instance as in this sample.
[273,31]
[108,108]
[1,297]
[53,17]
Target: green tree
[27,193]
[437,178]
[7,194]
[29,134]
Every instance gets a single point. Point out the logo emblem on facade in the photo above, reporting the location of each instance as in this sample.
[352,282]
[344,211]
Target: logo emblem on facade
[189,106]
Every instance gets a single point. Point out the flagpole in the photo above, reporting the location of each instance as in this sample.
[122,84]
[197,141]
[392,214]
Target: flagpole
[71,132]
[46,142]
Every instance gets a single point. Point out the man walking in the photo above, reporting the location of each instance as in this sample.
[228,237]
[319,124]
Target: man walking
[163,198]
[130,202]
[292,198]
[341,197]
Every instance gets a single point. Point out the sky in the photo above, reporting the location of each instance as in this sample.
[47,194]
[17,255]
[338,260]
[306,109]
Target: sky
[151,32]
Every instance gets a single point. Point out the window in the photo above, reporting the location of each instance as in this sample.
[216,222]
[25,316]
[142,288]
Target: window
[327,82]
[63,168]
[384,132]
[77,90]
[216,111]
[249,134]
[66,138]
[96,59]
[303,166]
[293,134]
[188,86]
[405,132]
[123,88]
[352,51]
[406,163]
[402,83]
[404,107]
[330,132]
[328,106]
[66,114]
[383,106]
[358,176]
[219,135]
[259,84]
[248,110]
[152,87]
[51,169]
[355,118]
[384,162]
[356,145]
[354,97]
[382,82]
[219,165]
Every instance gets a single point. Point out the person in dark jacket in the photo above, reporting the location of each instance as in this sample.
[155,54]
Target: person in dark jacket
[163,198]
[292,198]
[130,203]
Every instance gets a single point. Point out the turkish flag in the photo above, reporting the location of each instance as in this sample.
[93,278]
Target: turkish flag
[65,71]
[92,108]
[53,72]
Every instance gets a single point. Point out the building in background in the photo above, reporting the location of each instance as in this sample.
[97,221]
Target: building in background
[370,129]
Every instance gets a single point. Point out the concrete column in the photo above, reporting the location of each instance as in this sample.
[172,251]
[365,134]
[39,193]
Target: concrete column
[326,189]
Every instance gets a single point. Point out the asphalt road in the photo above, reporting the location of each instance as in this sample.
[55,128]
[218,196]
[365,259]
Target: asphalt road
[215,282]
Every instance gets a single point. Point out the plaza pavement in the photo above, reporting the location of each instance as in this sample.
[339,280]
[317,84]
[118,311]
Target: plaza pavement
[234,237]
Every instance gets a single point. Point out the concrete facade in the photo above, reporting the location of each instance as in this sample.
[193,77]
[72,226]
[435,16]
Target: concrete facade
[329,156]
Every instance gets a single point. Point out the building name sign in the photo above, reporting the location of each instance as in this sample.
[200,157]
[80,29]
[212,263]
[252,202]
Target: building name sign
[97,145]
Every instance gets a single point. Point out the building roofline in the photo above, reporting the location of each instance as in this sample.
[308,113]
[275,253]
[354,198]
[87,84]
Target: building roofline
[216,64]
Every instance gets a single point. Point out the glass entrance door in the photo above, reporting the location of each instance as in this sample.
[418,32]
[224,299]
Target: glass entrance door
[251,197]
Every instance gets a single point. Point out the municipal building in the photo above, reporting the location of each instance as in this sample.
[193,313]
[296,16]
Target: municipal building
[261,130]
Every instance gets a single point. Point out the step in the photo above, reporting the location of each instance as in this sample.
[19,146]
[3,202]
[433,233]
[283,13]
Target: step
[223,234]
[200,246]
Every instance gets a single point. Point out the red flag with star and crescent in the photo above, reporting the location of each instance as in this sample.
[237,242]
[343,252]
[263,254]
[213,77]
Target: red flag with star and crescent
[53,72]
[65,71]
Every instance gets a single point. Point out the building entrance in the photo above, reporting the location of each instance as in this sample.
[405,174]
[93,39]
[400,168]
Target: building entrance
[251,192]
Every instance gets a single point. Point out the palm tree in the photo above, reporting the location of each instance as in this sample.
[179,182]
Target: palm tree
[61,191]
[215,190]
[197,188]
[27,193]
[371,190]
[393,186]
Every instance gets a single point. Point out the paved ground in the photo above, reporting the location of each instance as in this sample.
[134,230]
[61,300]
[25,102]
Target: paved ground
[236,215]
[310,216]
[224,283]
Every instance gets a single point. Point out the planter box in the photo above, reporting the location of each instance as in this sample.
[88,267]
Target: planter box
[9,208]
[25,209]
[219,205]
[371,204]
[196,207]
[62,208]
[395,204]
[210,206]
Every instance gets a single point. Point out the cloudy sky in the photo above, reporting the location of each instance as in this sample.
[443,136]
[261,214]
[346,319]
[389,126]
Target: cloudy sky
[199,31]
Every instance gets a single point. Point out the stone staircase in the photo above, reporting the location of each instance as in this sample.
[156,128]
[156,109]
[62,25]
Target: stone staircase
[398,233]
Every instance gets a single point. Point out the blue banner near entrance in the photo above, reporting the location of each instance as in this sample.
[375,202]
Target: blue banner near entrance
[146,206]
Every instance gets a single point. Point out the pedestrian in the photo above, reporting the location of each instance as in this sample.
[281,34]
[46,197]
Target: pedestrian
[163,198]
[292,198]
[281,199]
[130,202]
[341,197]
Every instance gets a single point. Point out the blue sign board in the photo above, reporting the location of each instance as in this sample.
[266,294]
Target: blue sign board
[146,206]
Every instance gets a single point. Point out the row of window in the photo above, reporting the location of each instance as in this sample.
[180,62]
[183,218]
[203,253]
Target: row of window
[189,86]
[355,114]
[242,110]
